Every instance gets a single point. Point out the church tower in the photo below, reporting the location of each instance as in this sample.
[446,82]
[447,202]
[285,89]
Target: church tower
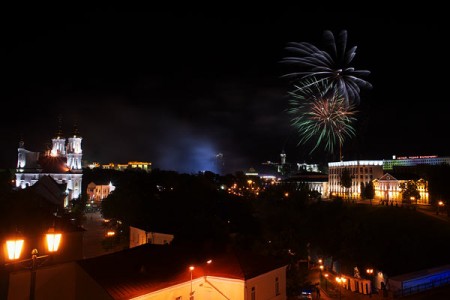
[58,142]
[62,163]
[21,155]
[74,152]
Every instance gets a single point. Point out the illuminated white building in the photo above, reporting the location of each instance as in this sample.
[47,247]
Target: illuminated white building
[409,161]
[387,188]
[132,165]
[362,171]
[97,192]
[62,162]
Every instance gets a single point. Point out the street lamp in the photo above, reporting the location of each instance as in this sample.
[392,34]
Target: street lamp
[341,281]
[370,273]
[440,204]
[208,262]
[191,294]
[326,281]
[14,249]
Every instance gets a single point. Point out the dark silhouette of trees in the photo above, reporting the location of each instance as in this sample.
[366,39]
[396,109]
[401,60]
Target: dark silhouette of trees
[346,181]
[410,192]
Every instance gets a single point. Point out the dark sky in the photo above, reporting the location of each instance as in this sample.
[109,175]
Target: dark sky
[177,87]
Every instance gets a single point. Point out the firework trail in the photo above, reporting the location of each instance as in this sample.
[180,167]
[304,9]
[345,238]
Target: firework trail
[321,115]
[333,67]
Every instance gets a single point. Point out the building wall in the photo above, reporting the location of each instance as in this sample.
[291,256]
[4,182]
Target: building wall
[389,190]
[389,164]
[362,171]
[139,237]
[265,285]
[203,288]
[97,193]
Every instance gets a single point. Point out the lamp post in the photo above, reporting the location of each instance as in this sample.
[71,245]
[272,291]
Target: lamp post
[440,204]
[326,281]
[191,296]
[341,281]
[208,262]
[370,273]
[14,249]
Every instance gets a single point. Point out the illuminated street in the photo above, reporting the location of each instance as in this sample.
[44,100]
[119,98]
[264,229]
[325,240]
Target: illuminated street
[95,233]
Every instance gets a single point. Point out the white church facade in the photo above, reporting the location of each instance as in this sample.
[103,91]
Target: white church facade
[62,162]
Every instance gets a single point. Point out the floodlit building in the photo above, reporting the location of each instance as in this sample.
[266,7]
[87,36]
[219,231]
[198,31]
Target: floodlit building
[362,171]
[315,181]
[97,192]
[410,161]
[62,162]
[132,165]
[155,272]
[387,188]
[140,236]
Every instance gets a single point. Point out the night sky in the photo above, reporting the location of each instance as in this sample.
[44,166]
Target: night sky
[177,87]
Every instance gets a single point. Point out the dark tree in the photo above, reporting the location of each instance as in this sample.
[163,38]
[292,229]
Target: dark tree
[369,191]
[346,180]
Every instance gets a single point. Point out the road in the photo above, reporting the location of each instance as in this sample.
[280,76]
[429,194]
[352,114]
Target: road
[94,235]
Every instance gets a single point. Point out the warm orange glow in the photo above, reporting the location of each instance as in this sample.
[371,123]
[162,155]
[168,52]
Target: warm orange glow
[286,194]
[369,271]
[53,241]
[326,275]
[209,261]
[341,280]
[320,261]
[191,268]
[321,268]
[110,233]
[14,247]
[441,203]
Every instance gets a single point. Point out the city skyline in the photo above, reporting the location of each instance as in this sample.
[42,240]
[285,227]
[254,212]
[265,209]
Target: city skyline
[177,88]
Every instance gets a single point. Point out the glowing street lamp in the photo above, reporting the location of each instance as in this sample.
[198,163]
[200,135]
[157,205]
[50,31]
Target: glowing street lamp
[14,249]
[326,281]
[341,281]
[208,262]
[440,204]
[370,273]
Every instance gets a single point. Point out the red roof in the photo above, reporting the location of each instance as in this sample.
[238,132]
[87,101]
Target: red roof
[148,268]
[51,164]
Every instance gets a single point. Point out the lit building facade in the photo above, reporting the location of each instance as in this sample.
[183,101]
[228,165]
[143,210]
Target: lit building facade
[387,188]
[132,165]
[97,192]
[409,161]
[62,162]
[362,171]
[139,236]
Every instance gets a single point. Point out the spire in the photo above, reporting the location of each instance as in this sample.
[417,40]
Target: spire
[75,131]
[59,133]
[21,142]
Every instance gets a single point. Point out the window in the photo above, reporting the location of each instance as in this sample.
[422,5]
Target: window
[277,286]
[253,296]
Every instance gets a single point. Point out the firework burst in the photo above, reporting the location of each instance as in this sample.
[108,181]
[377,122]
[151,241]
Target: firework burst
[321,115]
[333,66]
